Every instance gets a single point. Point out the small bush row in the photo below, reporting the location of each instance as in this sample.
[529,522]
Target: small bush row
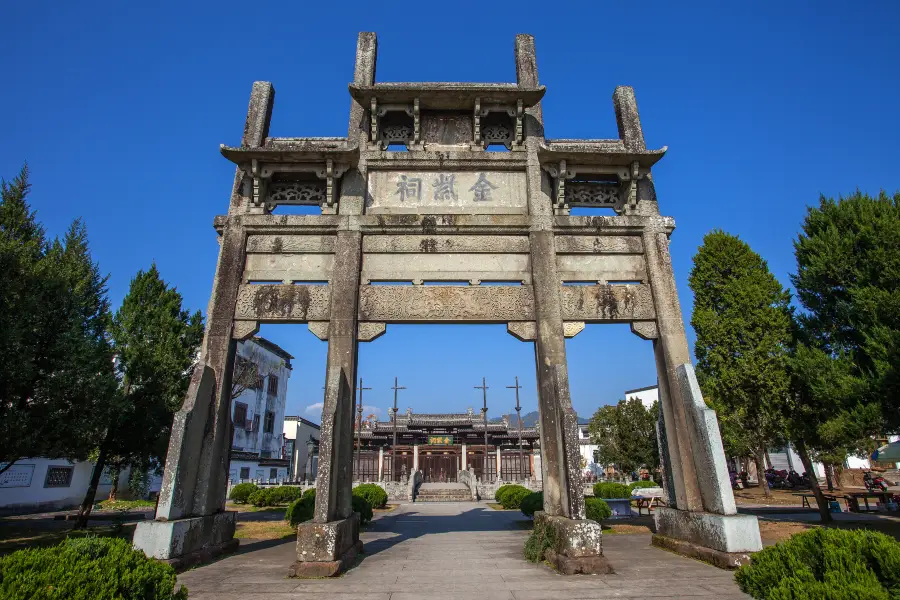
[374,494]
[532,503]
[274,496]
[303,508]
[241,492]
[87,568]
[596,509]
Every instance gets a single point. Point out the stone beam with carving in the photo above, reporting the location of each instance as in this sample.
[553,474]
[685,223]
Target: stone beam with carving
[443,303]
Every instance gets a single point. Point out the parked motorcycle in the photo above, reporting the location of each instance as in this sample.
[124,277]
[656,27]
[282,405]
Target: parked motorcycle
[876,483]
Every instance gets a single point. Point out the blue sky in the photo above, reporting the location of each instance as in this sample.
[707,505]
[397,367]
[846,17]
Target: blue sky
[119,109]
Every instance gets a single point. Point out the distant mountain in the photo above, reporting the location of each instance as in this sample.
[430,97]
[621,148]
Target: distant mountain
[529,419]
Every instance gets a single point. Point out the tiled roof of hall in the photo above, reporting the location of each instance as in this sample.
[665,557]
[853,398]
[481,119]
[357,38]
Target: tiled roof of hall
[466,419]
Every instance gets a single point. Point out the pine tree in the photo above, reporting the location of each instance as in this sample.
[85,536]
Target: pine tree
[742,318]
[156,343]
[56,376]
[846,365]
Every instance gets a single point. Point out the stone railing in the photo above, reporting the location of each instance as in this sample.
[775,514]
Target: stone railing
[468,479]
[415,480]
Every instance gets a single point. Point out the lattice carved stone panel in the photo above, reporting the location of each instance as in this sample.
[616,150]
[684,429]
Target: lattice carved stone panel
[297,303]
[592,194]
[296,192]
[416,304]
[593,303]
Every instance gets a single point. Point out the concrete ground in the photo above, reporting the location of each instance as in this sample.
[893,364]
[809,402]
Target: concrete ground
[449,551]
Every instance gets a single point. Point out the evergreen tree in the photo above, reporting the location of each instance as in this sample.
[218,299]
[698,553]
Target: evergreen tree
[626,435]
[846,377]
[156,343]
[742,318]
[848,277]
[56,378]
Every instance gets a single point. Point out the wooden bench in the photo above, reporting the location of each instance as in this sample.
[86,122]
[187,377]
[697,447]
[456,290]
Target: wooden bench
[806,497]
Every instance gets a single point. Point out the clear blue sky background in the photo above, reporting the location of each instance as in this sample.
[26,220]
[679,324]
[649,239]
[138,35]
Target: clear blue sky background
[119,108]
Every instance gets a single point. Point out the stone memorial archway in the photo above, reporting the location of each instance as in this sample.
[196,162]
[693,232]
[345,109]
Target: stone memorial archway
[446,210]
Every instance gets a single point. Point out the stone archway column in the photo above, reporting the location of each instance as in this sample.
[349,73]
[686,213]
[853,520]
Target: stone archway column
[191,523]
[702,519]
[578,547]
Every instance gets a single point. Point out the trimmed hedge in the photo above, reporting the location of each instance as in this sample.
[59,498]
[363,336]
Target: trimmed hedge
[513,497]
[87,568]
[532,503]
[241,492]
[274,496]
[835,564]
[596,509]
[376,497]
[303,508]
[634,485]
[611,490]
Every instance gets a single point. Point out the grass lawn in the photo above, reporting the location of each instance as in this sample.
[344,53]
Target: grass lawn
[29,534]
[498,506]
[264,530]
[125,504]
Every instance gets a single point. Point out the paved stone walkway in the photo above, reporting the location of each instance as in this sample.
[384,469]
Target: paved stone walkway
[464,551]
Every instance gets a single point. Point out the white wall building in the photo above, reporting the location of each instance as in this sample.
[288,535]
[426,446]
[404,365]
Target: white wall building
[49,484]
[257,448]
[587,447]
[647,395]
[302,448]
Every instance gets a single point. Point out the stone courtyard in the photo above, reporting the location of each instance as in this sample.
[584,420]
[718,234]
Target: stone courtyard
[461,550]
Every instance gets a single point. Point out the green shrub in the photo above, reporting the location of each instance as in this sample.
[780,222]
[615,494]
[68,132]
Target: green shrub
[597,509]
[532,503]
[300,510]
[241,492]
[362,506]
[514,496]
[310,493]
[284,494]
[634,485]
[258,498]
[375,496]
[501,491]
[611,490]
[835,564]
[538,542]
[87,568]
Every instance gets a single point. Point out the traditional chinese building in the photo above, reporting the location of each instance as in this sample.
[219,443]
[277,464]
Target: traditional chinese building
[441,445]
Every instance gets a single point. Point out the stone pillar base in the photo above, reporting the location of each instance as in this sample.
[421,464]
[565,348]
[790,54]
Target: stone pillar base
[577,545]
[326,549]
[725,541]
[186,542]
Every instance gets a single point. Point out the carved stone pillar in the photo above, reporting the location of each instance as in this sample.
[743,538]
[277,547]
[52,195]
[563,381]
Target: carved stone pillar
[579,547]
[191,523]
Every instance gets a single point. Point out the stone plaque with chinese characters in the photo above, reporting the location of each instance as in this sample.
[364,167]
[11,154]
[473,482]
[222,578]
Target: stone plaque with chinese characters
[438,192]
[440,440]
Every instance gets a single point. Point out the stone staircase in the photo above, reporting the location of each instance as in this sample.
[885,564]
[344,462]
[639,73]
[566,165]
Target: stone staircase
[443,492]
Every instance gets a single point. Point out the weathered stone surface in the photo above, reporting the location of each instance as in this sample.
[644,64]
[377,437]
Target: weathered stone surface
[184,537]
[575,538]
[526,331]
[428,244]
[599,244]
[325,542]
[709,456]
[580,565]
[284,302]
[593,303]
[723,560]
[456,267]
[725,533]
[628,119]
[411,304]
